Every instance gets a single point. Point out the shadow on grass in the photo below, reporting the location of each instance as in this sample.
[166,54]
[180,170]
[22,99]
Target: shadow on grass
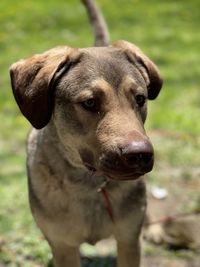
[95,261]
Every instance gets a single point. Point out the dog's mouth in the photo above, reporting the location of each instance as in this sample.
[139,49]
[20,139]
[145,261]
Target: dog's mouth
[123,176]
[115,175]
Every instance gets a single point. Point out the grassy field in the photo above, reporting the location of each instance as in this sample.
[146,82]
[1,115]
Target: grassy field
[168,32]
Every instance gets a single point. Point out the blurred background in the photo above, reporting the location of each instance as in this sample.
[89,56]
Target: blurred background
[168,32]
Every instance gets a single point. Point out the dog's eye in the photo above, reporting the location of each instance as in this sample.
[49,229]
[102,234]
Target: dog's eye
[140,100]
[91,104]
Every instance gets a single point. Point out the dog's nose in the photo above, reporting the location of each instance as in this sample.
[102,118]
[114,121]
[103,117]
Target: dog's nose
[138,154]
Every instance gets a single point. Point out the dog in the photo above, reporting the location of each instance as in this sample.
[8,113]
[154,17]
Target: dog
[88,151]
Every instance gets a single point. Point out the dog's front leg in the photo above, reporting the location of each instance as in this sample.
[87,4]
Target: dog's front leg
[65,256]
[128,254]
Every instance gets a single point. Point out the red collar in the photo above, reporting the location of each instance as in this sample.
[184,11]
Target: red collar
[108,205]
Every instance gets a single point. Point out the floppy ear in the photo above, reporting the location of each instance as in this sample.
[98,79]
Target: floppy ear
[33,81]
[146,67]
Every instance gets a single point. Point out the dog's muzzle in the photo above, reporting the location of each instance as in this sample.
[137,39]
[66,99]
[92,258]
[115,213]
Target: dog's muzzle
[129,161]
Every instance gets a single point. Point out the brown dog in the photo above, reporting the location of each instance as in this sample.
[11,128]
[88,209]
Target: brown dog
[88,107]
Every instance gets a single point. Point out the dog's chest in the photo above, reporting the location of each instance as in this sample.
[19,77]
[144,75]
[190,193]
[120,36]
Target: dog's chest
[96,218]
[86,219]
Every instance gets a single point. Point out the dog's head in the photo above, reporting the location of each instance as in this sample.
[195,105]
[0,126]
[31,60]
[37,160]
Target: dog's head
[96,98]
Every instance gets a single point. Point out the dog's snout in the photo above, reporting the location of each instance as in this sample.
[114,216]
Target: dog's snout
[128,161]
[138,154]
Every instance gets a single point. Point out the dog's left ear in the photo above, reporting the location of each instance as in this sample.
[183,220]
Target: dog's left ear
[146,67]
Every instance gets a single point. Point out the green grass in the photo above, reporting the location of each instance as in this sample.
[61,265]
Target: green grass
[168,31]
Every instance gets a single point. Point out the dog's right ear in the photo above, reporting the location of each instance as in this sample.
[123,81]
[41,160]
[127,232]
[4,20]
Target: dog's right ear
[34,79]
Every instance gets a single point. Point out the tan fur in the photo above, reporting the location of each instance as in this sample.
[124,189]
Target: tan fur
[51,89]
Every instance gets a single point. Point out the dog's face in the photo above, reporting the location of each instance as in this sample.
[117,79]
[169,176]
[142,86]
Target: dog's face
[97,100]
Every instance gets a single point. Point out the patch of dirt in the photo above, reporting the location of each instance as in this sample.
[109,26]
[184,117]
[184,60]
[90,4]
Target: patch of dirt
[170,262]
